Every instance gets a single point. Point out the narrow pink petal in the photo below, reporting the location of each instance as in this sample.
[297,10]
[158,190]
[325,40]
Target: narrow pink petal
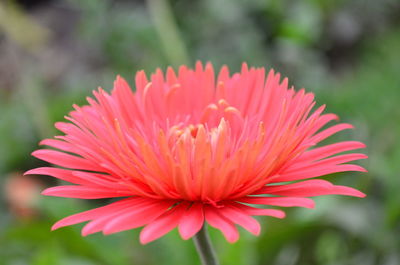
[280,201]
[343,190]
[328,150]
[324,163]
[140,216]
[94,213]
[192,221]
[260,212]
[309,188]
[59,173]
[65,160]
[100,180]
[62,145]
[239,217]
[316,172]
[82,192]
[227,228]
[163,224]
[79,177]
[98,224]
[330,131]
[340,159]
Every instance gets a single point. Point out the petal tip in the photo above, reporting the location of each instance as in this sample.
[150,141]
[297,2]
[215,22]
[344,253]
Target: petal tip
[46,192]
[30,172]
[86,230]
[144,240]
[61,223]
[359,194]
[310,205]
[184,234]
[44,142]
[106,232]
[232,240]
[50,191]
[36,153]
[280,215]
[257,232]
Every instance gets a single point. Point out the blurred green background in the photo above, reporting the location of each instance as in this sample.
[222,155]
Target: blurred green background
[53,53]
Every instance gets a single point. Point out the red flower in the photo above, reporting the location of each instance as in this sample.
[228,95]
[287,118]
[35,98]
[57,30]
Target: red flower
[186,149]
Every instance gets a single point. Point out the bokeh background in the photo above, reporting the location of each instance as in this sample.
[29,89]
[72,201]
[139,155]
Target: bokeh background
[54,53]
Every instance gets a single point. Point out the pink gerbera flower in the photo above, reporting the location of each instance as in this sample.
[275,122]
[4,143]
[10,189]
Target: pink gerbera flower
[187,149]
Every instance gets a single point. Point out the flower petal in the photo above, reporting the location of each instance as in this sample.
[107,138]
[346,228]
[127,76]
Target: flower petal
[191,221]
[163,224]
[94,213]
[258,212]
[317,171]
[65,160]
[59,173]
[328,150]
[137,217]
[98,224]
[309,188]
[215,219]
[239,217]
[62,145]
[83,192]
[280,201]
[330,131]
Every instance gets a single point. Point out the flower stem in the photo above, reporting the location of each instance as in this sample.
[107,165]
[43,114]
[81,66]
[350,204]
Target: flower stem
[168,31]
[205,248]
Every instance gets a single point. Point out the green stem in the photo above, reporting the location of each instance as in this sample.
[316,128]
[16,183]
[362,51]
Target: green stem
[167,29]
[205,248]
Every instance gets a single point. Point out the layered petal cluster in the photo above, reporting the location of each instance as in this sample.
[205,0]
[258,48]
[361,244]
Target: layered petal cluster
[191,147]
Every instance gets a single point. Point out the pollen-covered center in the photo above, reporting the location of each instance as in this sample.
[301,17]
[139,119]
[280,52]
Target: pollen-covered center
[192,129]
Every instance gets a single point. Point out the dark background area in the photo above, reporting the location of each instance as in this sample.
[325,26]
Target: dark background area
[54,53]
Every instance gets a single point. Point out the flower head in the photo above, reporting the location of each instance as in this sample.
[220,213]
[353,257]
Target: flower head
[188,148]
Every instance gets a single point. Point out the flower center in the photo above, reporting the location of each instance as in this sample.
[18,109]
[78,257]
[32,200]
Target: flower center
[178,130]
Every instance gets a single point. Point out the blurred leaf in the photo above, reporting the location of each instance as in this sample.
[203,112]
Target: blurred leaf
[21,28]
